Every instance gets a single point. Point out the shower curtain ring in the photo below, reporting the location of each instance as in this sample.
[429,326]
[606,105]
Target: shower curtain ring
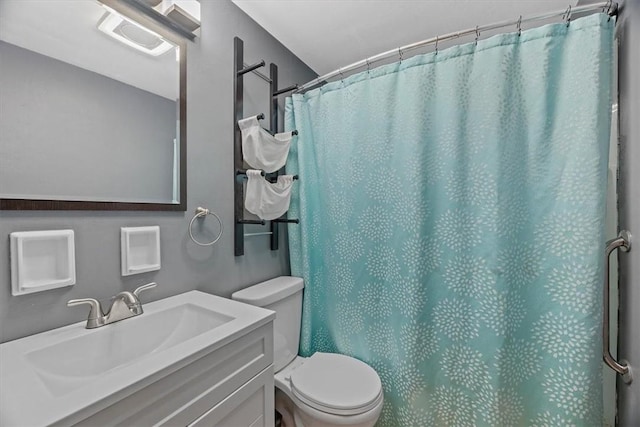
[400,54]
[567,15]
[477,35]
[341,75]
[436,45]
[519,25]
[368,65]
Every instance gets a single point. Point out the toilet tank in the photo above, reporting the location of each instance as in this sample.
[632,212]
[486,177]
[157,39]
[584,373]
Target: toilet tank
[284,296]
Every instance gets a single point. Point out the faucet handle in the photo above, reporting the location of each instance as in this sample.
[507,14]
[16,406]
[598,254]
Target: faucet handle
[139,290]
[96,309]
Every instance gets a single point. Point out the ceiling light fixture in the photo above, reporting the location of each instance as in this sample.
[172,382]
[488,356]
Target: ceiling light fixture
[132,34]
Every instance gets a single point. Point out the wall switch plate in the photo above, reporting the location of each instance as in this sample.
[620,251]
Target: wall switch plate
[140,249]
[42,260]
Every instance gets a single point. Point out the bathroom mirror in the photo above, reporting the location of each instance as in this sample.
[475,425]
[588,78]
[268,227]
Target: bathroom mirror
[92,98]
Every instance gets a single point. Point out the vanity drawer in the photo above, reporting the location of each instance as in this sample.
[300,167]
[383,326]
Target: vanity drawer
[252,405]
[184,395]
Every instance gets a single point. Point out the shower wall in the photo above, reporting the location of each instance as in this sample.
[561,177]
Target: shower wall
[608,375]
[629,206]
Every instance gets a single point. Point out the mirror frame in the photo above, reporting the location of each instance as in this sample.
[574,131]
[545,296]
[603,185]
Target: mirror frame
[81,205]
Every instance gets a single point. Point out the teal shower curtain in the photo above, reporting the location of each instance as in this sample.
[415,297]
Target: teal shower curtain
[451,213]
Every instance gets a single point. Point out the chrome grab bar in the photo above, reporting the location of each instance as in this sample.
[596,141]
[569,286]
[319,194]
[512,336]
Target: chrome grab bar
[622,242]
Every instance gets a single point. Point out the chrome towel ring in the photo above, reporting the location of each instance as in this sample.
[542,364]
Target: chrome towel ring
[201,213]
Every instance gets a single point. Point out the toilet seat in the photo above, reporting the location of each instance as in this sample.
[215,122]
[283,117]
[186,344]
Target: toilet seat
[336,384]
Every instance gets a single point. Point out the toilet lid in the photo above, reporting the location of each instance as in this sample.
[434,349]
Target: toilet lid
[336,384]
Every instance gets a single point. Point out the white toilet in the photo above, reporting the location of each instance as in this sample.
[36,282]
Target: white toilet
[323,390]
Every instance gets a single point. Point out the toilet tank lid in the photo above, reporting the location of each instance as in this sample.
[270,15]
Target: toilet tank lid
[268,292]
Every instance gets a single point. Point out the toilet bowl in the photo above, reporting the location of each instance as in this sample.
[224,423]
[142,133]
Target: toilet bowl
[329,390]
[323,390]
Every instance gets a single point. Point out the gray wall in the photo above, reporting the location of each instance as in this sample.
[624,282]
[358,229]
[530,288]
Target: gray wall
[185,266]
[90,124]
[629,184]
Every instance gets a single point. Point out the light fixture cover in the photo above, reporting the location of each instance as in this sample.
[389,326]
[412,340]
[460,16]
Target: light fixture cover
[133,34]
[182,17]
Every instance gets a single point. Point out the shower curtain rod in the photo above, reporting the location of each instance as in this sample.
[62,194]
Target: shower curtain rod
[609,7]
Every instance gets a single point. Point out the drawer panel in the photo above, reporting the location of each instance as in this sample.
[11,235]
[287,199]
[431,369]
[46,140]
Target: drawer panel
[184,395]
[250,406]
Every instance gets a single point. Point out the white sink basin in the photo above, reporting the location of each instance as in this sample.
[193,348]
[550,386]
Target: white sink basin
[67,365]
[49,376]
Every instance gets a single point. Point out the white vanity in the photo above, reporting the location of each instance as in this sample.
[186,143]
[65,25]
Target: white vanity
[194,359]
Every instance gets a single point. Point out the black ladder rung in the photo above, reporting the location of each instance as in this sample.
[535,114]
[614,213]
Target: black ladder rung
[250,68]
[290,221]
[285,90]
[251,221]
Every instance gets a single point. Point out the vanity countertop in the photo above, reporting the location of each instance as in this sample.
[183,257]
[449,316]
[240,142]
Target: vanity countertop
[57,375]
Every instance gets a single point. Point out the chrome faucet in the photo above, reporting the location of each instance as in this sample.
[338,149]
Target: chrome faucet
[124,305]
